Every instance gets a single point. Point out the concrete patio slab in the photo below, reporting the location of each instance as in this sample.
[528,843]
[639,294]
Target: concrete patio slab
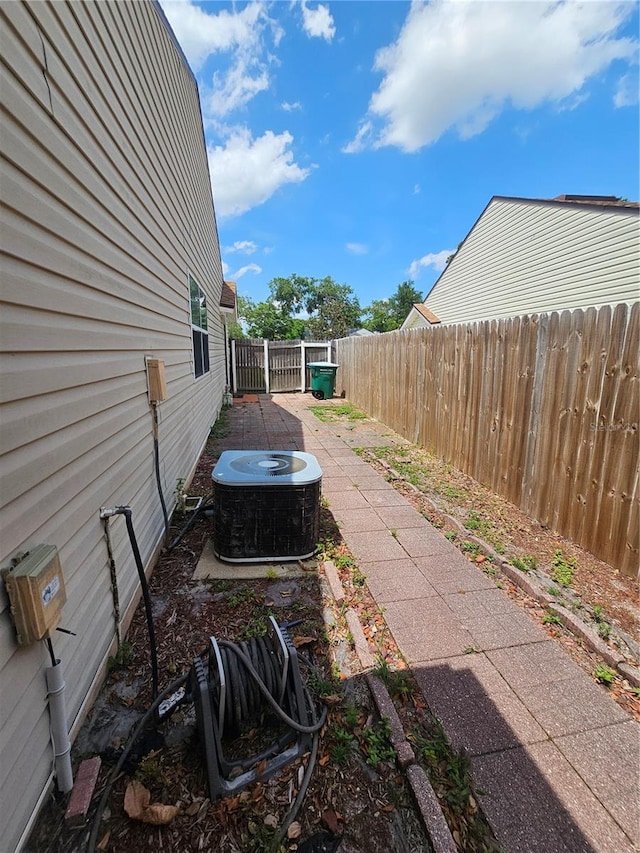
[475,705]
[502,631]
[337,484]
[209,567]
[399,517]
[359,520]
[608,760]
[535,801]
[570,706]
[370,548]
[529,666]
[424,541]
[344,499]
[382,497]
[394,584]
[451,573]
[423,631]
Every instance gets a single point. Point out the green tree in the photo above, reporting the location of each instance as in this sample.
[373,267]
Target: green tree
[269,320]
[333,308]
[384,315]
[379,316]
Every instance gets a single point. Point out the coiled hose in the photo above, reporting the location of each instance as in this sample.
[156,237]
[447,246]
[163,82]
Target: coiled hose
[246,685]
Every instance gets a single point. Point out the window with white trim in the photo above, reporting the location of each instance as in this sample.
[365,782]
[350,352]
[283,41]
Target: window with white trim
[199,328]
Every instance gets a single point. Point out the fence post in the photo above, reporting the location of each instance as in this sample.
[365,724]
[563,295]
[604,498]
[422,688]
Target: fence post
[266,365]
[234,373]
[303,367]
[529,472]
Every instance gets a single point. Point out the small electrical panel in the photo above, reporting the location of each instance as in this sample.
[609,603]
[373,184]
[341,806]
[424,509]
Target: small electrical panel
[156,381]
[35,587]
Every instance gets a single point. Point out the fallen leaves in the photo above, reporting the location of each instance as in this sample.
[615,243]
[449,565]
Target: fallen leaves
[138,806]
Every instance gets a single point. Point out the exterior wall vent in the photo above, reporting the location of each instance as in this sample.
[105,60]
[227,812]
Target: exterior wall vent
[266,505]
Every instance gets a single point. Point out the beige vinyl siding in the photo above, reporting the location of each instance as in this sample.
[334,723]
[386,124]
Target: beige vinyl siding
[107,210]
[525,257]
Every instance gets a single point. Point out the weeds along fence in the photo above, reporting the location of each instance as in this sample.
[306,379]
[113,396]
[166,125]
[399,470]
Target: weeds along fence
[542,409]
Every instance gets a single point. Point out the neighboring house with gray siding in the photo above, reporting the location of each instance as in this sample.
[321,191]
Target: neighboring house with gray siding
[528,256]
[110,257]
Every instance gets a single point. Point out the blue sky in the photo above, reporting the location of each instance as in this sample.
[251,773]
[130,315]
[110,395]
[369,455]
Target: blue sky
[362,139]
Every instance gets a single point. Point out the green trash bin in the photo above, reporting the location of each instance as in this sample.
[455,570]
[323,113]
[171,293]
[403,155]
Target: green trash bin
[323,379]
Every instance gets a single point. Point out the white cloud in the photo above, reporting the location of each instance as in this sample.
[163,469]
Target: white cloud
[296,105]
[225,269]
[245,172]
[437,260]
[244,247]
[627,91]
[357,248]
[202,33]
[254,268]
[318,22]
[417,190]
[235,88]
[457,65]
[361,140]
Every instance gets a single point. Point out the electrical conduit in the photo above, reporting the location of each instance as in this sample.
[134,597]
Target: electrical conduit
[59,734]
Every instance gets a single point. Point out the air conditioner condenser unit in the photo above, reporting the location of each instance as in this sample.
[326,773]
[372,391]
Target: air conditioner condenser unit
[266,505]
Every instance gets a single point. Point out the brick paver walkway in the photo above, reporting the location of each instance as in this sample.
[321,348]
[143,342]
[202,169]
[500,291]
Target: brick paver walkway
[557,759]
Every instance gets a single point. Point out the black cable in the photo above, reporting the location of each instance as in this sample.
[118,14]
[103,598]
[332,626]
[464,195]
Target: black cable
[126,511]
[54,661]
[156,459]
[91,846]
[194,516]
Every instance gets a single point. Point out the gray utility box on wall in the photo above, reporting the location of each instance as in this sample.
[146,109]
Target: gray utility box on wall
[266,505]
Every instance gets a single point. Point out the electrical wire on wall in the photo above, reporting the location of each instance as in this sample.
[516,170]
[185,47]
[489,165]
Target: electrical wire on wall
[106,513]
[156,460]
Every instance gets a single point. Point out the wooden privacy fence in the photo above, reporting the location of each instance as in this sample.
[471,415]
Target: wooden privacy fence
[271,366]
[542,409]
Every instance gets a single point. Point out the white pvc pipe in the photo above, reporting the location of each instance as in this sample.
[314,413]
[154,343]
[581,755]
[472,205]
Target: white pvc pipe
[59,733]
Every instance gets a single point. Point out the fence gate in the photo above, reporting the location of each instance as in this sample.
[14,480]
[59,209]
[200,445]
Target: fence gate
[270,366]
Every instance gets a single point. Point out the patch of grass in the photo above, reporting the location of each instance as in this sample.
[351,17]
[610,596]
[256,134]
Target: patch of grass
[242,596]
[525,563]
[344,745]
[476,522]
[376,743]
[451,535]
[123,657]
[551,619]
[255,627]
[221,427]
[451,492]
[357,577]
[271,574]
[326,414]
[604,630]
[470,548]
[322,687]
[394,532]
[563,569]
[397,682]
[471,650]
[604,674]
[149,771]
[450,771]
[554,591]
[344,561]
